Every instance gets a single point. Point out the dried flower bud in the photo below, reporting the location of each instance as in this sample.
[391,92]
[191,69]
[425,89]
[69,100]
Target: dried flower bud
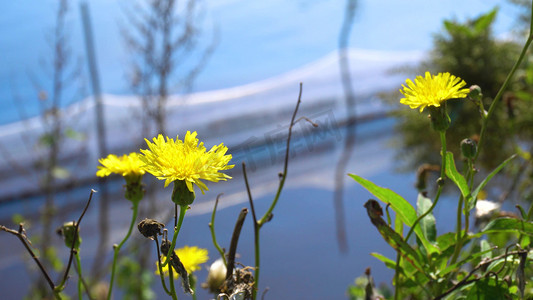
[468,148]
[178,266]
[150,228]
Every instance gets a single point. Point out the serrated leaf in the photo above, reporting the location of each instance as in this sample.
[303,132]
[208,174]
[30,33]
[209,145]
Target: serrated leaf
[457,178]
[428,223]
[404,210]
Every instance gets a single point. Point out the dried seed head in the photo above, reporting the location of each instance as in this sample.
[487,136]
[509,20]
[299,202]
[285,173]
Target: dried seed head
[150,228]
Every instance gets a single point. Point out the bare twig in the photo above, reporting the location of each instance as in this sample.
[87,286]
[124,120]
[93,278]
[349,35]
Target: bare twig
[264,293]
[76,232]
[24,239]
[250,199]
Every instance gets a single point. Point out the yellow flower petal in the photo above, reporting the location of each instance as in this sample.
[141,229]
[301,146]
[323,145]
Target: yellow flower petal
[124,165]
[432,90]
[190,257]
[185,160]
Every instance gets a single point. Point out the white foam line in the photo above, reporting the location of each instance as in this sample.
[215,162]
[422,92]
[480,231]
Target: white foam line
[227,93]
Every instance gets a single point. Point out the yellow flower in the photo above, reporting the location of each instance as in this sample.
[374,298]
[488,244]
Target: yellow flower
[185,160]
[432,90]
[125,165]
[190,257]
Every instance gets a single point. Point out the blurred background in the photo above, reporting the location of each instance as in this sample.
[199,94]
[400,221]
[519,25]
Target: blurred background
[80,80]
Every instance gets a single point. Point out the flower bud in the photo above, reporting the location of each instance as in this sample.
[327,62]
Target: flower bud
[475,93]
[68,232]
[468,148]
[181,194]
[216,276]
[440,121]
[134,188]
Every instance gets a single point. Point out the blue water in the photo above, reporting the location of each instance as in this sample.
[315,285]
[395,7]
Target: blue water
[300,255]
[257,40]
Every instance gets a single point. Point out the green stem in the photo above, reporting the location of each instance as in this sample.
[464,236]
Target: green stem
[266,216]
[502,89]
[78,262]
[172,288]
[183,210]
[470,178]
[192,280]
[437,196]
[439,190]
[397,277]
[257,262]
[213,235]
[135,209]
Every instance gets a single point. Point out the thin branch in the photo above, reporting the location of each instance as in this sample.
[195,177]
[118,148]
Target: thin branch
[161,275]
[249,194]
[266,217]
[24,239]
[76,232]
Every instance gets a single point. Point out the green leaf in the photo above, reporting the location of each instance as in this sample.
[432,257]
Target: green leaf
[508,225]
[75,135]
[60,173]
[483,23]
[398,226]
[486,249]
[428,223]
[468,259]
[17,219]
[446,240]
[523,213]
[395,240]
[404,210]
[391,264]
[526,241]
[46,140]
[488,289]
[457,178]
[487,179]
